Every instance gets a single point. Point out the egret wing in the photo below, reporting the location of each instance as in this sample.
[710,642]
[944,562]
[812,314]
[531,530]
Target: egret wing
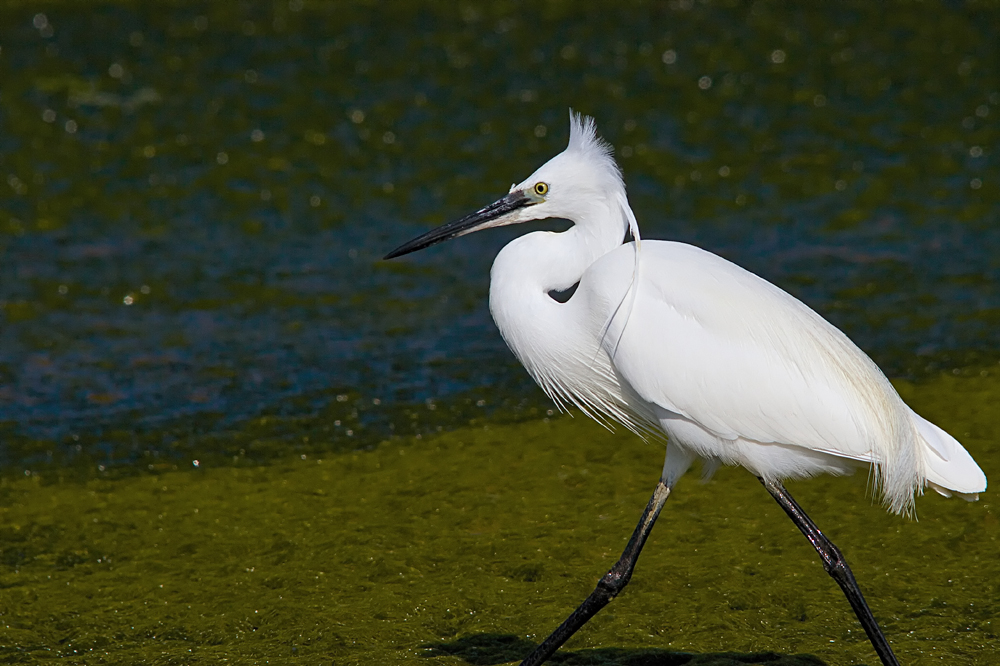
[727,350]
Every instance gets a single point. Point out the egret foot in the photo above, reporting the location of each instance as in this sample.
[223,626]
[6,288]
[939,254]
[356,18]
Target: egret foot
[836,566]
[610,585]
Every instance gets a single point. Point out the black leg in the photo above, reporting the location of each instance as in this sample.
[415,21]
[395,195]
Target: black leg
[610,585]
[836,566]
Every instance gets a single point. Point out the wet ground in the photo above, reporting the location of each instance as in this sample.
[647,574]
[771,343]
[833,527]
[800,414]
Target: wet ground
[471,545]
[193,201]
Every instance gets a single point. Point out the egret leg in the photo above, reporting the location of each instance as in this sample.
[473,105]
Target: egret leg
[836,566]
[610,585]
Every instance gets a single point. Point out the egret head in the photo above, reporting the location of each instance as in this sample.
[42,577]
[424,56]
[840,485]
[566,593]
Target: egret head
[570,185]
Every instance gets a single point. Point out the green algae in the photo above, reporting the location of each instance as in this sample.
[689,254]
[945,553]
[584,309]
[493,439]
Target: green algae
[469,546]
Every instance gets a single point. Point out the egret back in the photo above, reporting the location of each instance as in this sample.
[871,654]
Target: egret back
[753,367]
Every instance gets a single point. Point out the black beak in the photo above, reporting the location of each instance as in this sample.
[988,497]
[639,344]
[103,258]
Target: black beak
[479,220]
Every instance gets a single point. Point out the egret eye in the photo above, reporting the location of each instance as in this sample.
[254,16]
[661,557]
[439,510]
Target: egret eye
[541,189]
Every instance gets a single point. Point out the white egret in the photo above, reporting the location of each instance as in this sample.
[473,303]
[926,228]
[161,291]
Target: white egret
[665,337]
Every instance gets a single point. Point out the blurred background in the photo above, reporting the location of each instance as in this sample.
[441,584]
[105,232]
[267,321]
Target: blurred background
[194,199]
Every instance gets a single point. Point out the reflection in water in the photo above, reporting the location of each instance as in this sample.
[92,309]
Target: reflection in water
[196,197]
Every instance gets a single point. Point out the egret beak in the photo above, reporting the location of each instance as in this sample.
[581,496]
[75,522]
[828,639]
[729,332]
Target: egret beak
[483,218]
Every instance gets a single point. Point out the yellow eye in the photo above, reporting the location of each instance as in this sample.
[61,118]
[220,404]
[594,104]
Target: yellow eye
[541,189]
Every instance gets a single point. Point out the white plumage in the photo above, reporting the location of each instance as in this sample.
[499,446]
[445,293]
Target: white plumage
[669,339]
[665,335]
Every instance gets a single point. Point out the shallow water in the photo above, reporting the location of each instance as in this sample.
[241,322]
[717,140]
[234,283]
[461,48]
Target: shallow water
[197,197]
[193,204]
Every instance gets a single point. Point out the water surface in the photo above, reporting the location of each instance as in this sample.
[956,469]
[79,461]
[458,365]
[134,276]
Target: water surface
[197,195]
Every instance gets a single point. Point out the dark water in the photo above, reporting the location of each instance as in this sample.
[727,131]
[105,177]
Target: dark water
[196,197]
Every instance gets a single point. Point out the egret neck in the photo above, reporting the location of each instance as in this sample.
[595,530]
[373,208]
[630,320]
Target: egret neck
[559,343]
